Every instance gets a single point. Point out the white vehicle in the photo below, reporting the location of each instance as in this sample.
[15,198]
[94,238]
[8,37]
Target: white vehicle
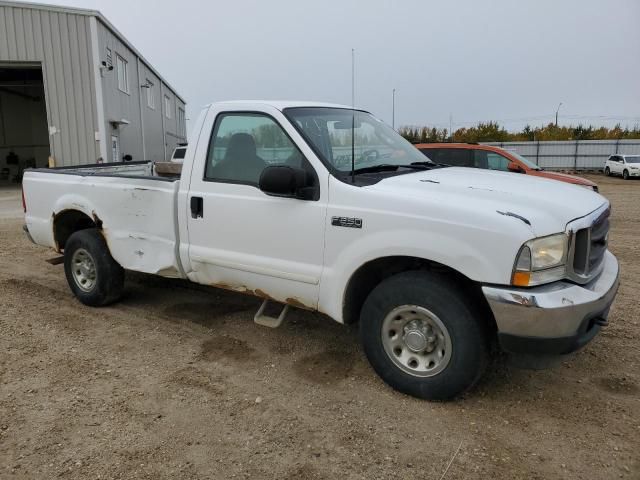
[625,165]
[435,263]
[179,153]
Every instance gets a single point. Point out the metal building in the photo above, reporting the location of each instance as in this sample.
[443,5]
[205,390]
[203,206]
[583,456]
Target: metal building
[74,89]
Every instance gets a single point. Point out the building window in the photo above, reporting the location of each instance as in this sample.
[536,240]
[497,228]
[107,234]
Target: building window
[151,94]
[123,74]
[182,125]
[167,106]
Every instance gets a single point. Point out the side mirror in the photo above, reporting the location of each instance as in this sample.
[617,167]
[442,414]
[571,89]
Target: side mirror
[514,167]
[285,181]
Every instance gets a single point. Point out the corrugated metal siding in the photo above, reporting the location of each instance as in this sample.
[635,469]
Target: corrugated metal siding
[118,104]
[133,105]
[173,135]
[571,154]
[153,136]
[60,42]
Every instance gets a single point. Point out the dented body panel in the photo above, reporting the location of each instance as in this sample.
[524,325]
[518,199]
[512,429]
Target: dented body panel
[135,215]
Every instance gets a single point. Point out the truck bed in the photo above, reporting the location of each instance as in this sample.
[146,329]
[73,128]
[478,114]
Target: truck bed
[134,209]
[128,169]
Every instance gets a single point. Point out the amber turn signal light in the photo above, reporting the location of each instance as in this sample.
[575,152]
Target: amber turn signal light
[521,279]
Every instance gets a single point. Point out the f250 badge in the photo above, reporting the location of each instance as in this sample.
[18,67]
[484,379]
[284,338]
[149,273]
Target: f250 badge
[348,222]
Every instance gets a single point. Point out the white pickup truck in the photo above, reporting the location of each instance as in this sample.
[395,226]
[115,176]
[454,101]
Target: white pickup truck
[326,208]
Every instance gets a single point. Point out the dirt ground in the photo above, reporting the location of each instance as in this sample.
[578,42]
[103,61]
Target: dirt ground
[178,382]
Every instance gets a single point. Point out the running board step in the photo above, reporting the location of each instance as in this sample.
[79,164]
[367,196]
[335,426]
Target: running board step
[56,260]
[267,321]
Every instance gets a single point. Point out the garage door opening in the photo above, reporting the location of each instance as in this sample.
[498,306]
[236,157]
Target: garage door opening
[24,136]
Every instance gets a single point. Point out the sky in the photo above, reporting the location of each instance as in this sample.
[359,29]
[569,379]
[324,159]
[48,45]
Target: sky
[463,61]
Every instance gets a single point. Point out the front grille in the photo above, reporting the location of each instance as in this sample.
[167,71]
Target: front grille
[590,245]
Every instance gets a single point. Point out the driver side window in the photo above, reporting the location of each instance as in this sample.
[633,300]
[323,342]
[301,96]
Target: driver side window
[242,145]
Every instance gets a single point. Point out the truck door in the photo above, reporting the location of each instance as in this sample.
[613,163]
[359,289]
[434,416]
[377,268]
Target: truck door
[241,238]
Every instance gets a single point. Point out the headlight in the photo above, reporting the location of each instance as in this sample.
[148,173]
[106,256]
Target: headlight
[541,260]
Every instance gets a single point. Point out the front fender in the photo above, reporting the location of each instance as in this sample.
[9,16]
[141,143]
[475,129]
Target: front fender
[477,260]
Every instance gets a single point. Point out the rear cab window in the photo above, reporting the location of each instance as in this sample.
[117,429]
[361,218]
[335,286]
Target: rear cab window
[180,153]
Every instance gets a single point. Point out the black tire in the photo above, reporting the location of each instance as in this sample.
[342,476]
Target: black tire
[607,172]
[625,174]
[108,282]
[466,327]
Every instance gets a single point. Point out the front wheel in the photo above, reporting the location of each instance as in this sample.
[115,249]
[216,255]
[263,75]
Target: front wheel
[625,175]
[422,337]
[607,172]
[94,277]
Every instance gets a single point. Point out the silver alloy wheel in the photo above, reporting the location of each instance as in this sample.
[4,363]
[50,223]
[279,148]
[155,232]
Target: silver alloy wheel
[416,340]
[83,269]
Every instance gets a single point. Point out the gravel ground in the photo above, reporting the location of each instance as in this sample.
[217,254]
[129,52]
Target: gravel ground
[177,382]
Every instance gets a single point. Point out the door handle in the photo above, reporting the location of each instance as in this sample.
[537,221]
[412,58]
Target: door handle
[197,207]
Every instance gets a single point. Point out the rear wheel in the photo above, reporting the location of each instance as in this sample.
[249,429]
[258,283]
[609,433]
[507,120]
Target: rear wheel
[422,337]
[607,171]
[94,277]
[625,174]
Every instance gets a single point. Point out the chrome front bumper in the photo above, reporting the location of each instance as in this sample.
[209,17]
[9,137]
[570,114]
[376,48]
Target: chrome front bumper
[557,318]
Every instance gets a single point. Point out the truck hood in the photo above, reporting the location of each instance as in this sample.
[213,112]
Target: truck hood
[545,206]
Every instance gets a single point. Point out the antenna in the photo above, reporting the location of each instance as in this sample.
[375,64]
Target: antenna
[393,109]
[353,115]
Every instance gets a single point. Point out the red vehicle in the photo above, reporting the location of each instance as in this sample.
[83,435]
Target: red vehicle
[493,158]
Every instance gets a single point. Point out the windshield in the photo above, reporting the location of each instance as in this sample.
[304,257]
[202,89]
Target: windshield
[524,160]
[634,159]
[329,132]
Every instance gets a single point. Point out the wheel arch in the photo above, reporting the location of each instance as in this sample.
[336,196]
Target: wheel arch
[69,221]
[372,273]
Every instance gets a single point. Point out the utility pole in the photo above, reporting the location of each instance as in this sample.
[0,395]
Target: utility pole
[393,109]
[451,127]
[353,78]
[557,110]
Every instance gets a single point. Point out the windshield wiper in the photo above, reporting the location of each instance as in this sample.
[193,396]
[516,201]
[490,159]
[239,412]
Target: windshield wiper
[383,167]
[428,165]
[388,167]
[424,164]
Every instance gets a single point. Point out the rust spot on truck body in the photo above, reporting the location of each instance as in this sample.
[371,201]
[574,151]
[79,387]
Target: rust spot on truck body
[96,219]
[232,288]
[53,233]
[259,293]
[294,302]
